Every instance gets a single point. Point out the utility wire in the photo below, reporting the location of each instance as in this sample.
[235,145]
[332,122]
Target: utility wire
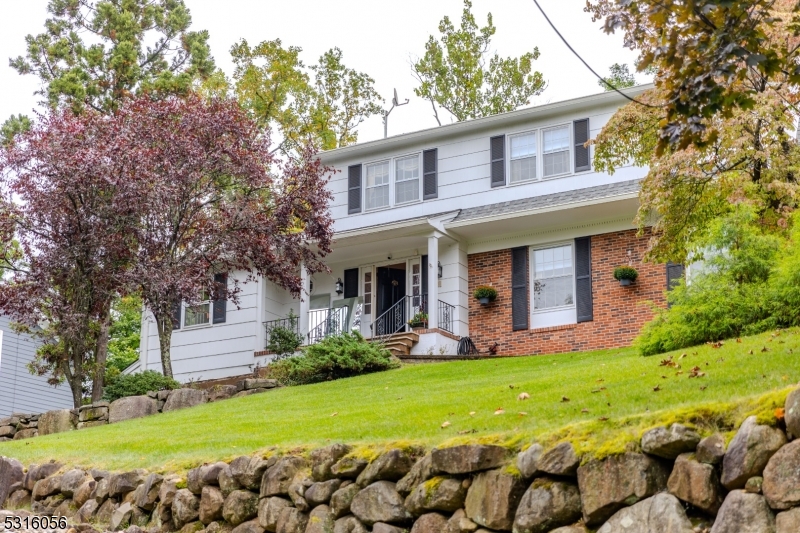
[634,100]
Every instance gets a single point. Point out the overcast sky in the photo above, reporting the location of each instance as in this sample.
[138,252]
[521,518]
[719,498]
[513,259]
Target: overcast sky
[377,37]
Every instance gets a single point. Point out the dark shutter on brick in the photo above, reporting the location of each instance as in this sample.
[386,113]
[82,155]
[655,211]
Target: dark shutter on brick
[581,130]
[423,263]
[354,189]
[583,279]
[176,316]
[674,275]
[220,304]
[351,283]
[430,183]
[498,155]
[519,288]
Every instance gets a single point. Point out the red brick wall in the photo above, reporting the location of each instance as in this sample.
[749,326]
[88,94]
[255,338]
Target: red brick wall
[619,312]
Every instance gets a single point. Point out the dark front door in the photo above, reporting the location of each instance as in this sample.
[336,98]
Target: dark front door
[391,288]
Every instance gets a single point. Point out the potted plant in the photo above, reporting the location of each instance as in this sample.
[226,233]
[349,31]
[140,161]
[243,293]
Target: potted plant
[420,320]
[485,294]
[625,275]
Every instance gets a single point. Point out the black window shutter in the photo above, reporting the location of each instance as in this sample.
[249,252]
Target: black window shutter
[582,162]
[430,178]
[674,274]
[498,155]
[519,288]
[220,304]
[583,279]
[351,283]
[354,189]
[423,263]
[176,316]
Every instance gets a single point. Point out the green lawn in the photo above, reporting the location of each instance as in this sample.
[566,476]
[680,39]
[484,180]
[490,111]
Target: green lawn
[410,405]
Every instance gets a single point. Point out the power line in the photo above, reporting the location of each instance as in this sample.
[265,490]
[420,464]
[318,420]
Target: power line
[634,100]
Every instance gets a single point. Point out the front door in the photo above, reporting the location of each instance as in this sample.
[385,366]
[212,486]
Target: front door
[390,289]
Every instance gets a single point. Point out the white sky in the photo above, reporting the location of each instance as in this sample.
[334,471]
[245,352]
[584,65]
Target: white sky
[376,36]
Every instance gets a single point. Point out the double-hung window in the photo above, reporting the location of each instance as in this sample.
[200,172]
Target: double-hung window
[197,315]
[553,278]
[377,186]
[392,182]
[555,149]
[523,157]
[406,179]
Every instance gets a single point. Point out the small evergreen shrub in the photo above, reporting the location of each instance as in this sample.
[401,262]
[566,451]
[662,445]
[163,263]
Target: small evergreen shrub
[137,385]
[339,356]
[625,272]
[485,291]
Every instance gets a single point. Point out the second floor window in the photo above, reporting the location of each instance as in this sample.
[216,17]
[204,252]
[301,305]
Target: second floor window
[523,157]
[392,182]
[377,189]
[406,179]
[556,151]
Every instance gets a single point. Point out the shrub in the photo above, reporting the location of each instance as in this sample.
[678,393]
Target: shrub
[420,319]
[284,341]
[485,291]
[138,384]
[625,272]
[334,357]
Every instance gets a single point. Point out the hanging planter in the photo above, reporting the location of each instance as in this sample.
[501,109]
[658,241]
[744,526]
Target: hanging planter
[626,275]
[485,294]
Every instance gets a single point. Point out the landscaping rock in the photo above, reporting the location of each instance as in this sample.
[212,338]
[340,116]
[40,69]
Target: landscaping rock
[119,484]
[349,524]
[493,498]
[185,508]
[342,498]
[390,466]
[147,494]
[291,520]
[662,513]
[84,492]
[460,523]
[547,504]
[89,413]
[387,528]
[277,479]
[199,477]
[323,459]
[221,392]
[781,485]
[37,472]
[571,529]
[103,514]
[560,461]
[269,510]
[437,494]
[121,517]
[788,521]
[608,485]
[711,450]
[100,492]
[211,503]
[349,467]
[56,422]
[183,398]
[248,527]
[71,482]
[696,483]
[749,452]
[131,407]
[87,511]
[754,485]
[320,520]
[240,506]
[670,443]
[227,483]
[19,499]
[379,502]
[11,472]
[467,458]
[244,393]
[320,493]
[259,383]
[249,471]
[166,494]
[47,487]
[744,513]
[26,434]
[192,527]
[430,523]
[421,471]
[791,413]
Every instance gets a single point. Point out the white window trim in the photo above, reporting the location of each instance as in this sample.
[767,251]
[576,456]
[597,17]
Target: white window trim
[540,154]
[392,182]
[184,314]
[532,277]
[570,150]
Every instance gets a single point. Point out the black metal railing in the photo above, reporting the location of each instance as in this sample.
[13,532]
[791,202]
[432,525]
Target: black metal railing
[326,323]
[291,323]
[446,312]
[392,320]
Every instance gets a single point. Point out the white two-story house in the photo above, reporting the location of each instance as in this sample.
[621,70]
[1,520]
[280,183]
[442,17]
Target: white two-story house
[422,219]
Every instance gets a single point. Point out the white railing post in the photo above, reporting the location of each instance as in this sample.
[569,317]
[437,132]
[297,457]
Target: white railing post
[305,301]
[433,281]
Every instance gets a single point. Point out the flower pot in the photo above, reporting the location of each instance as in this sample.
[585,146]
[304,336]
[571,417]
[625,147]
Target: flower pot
[625,282]
[483,301]
[417,328]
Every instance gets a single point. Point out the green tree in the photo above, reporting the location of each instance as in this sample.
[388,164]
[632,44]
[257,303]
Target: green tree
[461,77]
[124,333]
[620,77]
[12,127]
[321,104]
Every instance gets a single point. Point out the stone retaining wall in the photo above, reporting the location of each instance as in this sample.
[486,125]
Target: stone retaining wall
[23,426]
[675,482]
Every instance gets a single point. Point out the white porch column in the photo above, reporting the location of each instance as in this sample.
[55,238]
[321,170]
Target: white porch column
[305,301]
[433,281]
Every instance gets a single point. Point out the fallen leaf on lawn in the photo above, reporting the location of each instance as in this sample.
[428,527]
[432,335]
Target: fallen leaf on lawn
[523,413]
[511,386]
[657,388]
[603,419]
[663,377]
[465,431]
[704,387]
[679,372]
[584,410]
[750,352]
[564,399]
[738,339]
[694,353]
[523,396]
[472,413]
[334,414]
[667,362]
[764,349]
[600,380]
[608,404]
[601,389]
[445,424]
[682,356]
[499,411]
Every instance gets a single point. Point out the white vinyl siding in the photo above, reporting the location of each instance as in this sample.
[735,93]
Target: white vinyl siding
[523,157]
[556,151]
[377,189]
[406,179]
[554,279]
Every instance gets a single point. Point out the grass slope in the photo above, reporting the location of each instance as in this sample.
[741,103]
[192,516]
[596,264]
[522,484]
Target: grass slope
[411,404]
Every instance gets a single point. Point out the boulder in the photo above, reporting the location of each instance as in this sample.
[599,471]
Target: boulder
[100,492]
[577,528]
[460,523]
[320,493]
[547,504]
[291,520]
[662,513]
[192,527]
[279,477]
[37,472]
[349,467]
[121,517]
[323,459]
[788,521]
[560,461]
[430,523]
[87,511]
[342,498]
[390,466]
[349,524]
[147,494]
[379,502]
[56,422]
[183,398]
[103,514]
[249,471]
[71,482]
[749,452]
[493,498]
[781,484]
[380,527]
[119,484]
[791,413]
[297,488]
[211,503]
[251,526]
[11,472]
[19,499]
[742,512]
[711,449]
[240,506]
[221,392]
[670,443]
[47,487]
[131,407]
[608,485]
[66,508]
[320,520]
[421,471]
[227,483]
[696,483]
[437,494]
[185,507]
[89,413]
[199,477]
[169,487]
[269,510]
[467,458]
[26,433]
[259,383]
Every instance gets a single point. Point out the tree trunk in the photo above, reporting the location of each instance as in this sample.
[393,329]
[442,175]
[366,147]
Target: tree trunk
[74,377]
[101,356]
[164,325]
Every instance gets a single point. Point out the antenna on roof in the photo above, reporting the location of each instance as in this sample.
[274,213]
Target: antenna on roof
[386,113]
